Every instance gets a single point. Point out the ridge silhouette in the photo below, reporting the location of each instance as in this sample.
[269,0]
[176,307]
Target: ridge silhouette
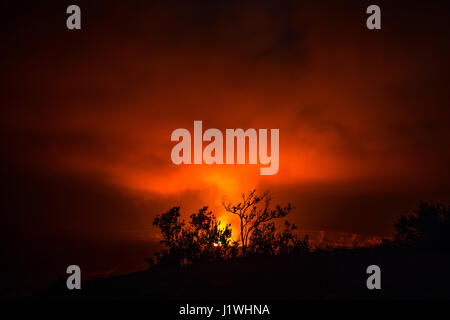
[201,261]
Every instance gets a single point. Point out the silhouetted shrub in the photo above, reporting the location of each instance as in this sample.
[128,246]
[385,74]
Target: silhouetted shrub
[204,239]
[427,227]
[266,240]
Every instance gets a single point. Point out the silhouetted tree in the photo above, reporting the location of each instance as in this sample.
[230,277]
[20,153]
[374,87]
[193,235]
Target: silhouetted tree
[253,211]
[262,239]
[288,242]
[203,239]
[170,225]
[173,237]
[266,240]
[210,242]
[427,227]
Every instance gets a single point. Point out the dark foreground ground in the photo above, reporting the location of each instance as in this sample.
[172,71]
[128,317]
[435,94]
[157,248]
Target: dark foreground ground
[338,274]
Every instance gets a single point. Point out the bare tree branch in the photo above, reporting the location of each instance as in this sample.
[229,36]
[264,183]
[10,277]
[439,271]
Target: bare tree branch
[252,212]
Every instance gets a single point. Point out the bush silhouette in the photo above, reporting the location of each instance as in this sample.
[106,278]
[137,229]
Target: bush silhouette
[204,239]
[266,240]
[427,227]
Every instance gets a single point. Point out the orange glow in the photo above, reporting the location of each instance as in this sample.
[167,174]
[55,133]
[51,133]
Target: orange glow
[352,137]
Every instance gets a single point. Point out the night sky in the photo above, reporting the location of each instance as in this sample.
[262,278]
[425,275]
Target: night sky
[86,118]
